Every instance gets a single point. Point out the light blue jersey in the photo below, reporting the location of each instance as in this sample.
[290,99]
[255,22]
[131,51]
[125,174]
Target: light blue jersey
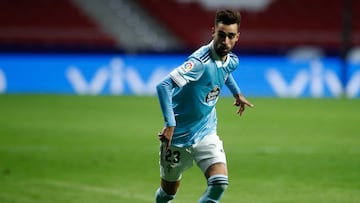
[190,105]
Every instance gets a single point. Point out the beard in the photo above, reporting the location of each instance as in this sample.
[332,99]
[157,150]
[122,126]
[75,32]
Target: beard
[222,50]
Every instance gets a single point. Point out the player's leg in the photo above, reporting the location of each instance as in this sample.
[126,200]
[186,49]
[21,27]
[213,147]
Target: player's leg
[217,181]
[211,158]
[167,191]
[173,163]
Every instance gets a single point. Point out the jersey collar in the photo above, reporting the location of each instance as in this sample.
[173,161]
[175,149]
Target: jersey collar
[216,57]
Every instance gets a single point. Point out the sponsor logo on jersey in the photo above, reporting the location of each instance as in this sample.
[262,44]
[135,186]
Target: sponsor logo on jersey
[213,94]
[188,66]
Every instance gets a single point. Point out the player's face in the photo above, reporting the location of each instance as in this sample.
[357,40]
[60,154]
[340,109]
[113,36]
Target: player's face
[225,37]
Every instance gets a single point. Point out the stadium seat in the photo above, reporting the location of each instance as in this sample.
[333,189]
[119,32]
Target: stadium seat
[44,23]
[282,25]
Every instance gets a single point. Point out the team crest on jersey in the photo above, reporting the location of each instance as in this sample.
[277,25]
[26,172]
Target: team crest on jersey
[213,94]
[188,66]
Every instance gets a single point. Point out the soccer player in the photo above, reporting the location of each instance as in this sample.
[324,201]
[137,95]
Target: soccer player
[187,98]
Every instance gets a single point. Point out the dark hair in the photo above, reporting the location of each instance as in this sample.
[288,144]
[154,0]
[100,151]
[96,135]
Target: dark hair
[228,17]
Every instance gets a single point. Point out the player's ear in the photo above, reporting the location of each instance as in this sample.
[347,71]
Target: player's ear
[237,36]
[213,31]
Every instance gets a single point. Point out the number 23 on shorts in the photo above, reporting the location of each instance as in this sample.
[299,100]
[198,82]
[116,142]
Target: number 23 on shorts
[171,156]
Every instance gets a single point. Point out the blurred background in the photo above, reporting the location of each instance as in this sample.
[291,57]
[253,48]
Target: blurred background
[288,48]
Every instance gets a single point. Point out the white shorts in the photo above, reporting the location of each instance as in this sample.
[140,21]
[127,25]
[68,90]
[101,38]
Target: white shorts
[177,159]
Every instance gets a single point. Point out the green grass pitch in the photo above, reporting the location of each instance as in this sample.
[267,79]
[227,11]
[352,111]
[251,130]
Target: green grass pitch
[76,149]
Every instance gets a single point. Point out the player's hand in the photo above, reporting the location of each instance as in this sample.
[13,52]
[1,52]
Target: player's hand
[166,136]
[241,101]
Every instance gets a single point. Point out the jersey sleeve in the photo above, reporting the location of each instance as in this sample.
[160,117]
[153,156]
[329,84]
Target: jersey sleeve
[164,91]
[232,85]
[190,70]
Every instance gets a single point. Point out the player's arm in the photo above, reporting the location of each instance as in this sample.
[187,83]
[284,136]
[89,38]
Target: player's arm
[189,71]
[231,84]
[164,92]
[240,100]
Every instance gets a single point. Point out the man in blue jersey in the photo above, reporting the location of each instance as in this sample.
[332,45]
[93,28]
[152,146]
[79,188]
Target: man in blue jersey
[187,99]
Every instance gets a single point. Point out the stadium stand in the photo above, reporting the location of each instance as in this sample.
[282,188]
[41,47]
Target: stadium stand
[278,26]
[130,25]
[189,21]
[284,24]
[43,24]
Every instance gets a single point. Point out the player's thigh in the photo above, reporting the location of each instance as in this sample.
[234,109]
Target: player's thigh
[209,154]
[174,162]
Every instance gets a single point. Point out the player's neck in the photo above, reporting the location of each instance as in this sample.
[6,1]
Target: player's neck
[223,59]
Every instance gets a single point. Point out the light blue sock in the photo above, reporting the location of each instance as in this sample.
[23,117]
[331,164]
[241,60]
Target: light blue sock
[162,197]
[217,185]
